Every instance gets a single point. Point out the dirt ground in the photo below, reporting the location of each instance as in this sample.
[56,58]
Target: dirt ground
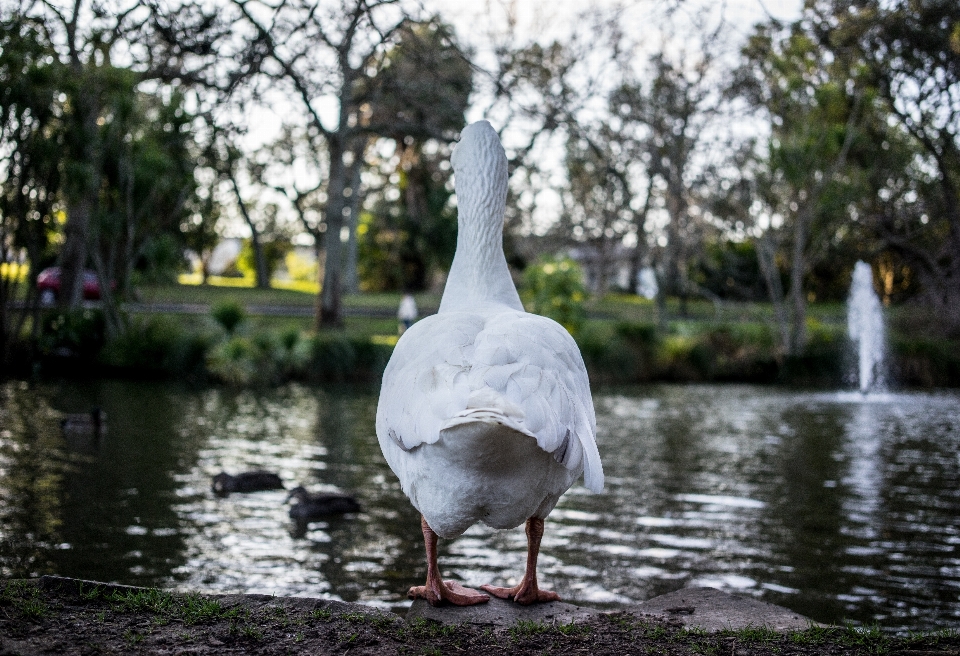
[50,617]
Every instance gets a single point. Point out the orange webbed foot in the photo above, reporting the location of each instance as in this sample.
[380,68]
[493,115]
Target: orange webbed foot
[449,591]
[523,594]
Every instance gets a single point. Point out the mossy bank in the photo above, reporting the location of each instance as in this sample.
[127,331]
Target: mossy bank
[46,616]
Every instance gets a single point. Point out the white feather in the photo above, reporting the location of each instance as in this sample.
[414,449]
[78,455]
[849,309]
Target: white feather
[485,411]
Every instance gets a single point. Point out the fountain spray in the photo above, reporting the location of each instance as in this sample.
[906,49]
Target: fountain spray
[866,329]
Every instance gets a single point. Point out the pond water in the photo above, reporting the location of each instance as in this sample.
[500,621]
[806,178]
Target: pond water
[841,507]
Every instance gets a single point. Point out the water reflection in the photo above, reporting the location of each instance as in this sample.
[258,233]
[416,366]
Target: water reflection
[841,507]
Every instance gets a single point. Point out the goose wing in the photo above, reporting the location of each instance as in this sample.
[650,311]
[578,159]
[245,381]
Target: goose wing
[522,369]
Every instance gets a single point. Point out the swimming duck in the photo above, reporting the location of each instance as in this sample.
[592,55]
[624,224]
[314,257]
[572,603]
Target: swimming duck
[485,411]
[313,506]
[251,481]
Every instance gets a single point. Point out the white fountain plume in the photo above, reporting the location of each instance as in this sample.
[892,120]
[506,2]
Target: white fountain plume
[865,324]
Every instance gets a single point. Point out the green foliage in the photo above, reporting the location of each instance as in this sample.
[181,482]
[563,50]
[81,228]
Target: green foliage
[730,270]
[276,248]
[423,628]
[403,242]
[332,358]
[410,234]
[188,608]
[72,333]
[686,358]
[526,628]
[926,361]
[643,335]
[161,261]
[292,353]
[31,143]
[573,629]
[157,346]
[233,361]
[229,314]
[553,287]
[25,598]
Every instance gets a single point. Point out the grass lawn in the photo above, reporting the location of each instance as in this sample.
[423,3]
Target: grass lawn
[626,307]
[222,289]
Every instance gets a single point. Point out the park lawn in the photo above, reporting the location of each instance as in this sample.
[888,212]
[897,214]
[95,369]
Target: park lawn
[636,309]
[247,295]
[354,327]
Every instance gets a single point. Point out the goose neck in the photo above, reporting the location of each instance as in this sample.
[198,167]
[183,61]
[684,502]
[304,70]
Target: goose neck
[479,275]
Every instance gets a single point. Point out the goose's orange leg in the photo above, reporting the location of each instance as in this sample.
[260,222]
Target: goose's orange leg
[527,592]
[436,591]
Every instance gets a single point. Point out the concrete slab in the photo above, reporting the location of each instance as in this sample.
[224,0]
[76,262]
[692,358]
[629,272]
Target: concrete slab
[702,608]
[500,613]
[712,610]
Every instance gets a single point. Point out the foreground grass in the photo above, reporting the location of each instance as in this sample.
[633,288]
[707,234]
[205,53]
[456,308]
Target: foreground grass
[73,620]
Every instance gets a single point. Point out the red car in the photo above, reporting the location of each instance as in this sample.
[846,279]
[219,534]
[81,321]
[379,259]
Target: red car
[48,284]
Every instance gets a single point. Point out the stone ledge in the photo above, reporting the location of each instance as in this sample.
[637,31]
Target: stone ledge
[712,610]
[500,613]
[706,609]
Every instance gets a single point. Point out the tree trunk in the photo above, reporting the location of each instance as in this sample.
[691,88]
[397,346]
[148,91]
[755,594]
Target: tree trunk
[81,199]
[766,257]
[351,280]
[259,260]
[798,269]
[263,274]
[603,267]
[330,310]
[73,257]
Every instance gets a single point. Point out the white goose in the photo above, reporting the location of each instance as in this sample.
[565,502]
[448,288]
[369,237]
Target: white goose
[485,411]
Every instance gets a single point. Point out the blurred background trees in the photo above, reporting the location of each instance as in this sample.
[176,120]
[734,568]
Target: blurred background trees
[726,168]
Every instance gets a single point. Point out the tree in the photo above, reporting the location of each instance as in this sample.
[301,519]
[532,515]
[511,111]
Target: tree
[911,50]
[31,133]
[422,90]
[336,52]
[410,232]
[95,102]
[293,148]
[814,106]
[599,198]
[148,186]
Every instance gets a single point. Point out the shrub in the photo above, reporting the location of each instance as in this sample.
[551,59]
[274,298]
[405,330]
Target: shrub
[229,314]
[687,358]
[147,347]
[72,333]
[743,352]
[821,363]
[553,287]
[232,361]
[926,361]
[293,354]
[608,357]
[371,357]
[331,359]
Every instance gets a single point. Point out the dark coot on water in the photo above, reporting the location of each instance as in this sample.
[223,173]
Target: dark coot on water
[313,506]
[251,481]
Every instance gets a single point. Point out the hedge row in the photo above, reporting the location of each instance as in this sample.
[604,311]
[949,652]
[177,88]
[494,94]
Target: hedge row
[615,353]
